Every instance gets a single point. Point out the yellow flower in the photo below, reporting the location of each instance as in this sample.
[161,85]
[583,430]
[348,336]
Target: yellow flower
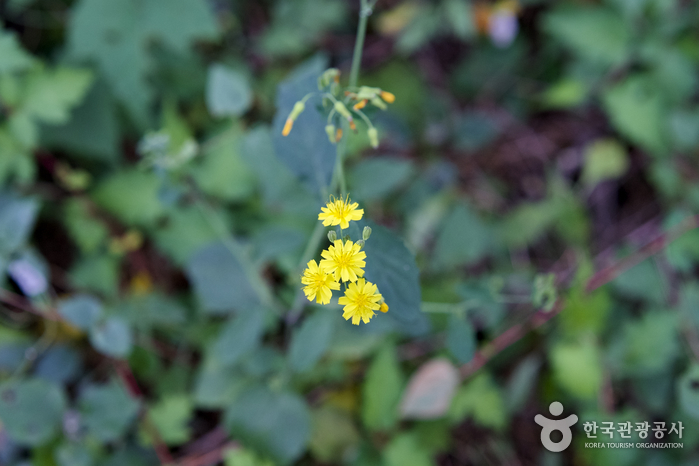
[344,261]
[340,212]
[318,283]
[360,300]
[384,308]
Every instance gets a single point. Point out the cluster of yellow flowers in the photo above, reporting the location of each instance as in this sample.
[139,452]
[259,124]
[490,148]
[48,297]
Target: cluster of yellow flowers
[343,261]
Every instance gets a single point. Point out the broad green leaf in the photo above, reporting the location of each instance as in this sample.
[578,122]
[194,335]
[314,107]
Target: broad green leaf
[153,309]
[565,93]
[481,400]
[636,110]
[688,391]
[381,392]
[31,410]
[577,367]
[17,217]
[116,35]
[222,171]
[275,423]
[594,33]
[392,268]
[461,17]
[684,128]
[430,390]
[52,94]
[83,311]
[228,92]
[87,231]
[240,456]
[96,273]
[60,364]
[604,159]
[73,454]
[376,178]
[239,336]
[642,281]
[461,338]
[112,337]
[185,232]
[464,238]
[107,410]
[406,450]
[217,386]
[12,55]
[219,281]
[334,435]
[311,340]
[648,345]
[92,132]
[306,150]
[170,416]
[131,195]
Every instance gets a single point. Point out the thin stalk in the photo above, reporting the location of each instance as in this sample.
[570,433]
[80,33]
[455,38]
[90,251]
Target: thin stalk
[364,12]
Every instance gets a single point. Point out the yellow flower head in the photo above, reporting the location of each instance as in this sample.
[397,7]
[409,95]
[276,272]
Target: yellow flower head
[361,299]
[340,212]
[384,308]
[344,261]
[318,283]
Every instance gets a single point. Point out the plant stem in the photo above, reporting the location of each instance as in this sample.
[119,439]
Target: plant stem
[364,13]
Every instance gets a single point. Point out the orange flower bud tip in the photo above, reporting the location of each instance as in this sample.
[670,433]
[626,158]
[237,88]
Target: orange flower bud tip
[388,97]
[359,105]
[287,127]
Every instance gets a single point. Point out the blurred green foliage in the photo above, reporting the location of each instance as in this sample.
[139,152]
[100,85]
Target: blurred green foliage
[154,223]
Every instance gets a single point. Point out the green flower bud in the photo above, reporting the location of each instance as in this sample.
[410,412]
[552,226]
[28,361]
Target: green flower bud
[376,102]
[373,137]
[332,236]
[360,243]
[342,110]
[296,111]
[366,233]
[330,131]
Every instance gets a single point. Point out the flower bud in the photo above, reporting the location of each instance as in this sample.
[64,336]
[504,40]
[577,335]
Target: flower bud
[332,236]
[383,308]
[330,131]
[360,105]
[342,110]
[295,112]
[360,243]
[388,97]
[366,233]
[376,102]
[346,238]
[373,137]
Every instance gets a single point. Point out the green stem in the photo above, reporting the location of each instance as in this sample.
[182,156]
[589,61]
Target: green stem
[364,12]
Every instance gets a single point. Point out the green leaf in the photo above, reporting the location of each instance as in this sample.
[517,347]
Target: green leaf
[170,416]
[31,410]
[52,94]
[17,217]
[464,238]
[334,435]
[604,159]
[88,232]
[306,150]
[239,337]
[430,390]
[107,410]
[223,172]
[311,340]
[92,132]
[73,454]
[649,344]
[219,281]
[460,15]
[406,450]
[83,311]
[392,268]
[481,400]
[577,367]
[112,337]
[636,110]
[275,423]
[377,177]
[12,56]
[522,382]
[117,36]
[131,195]
[461,338]
[228,92]
[381,392]
[96,273]
[688,391]
[186,231]
[217,386]
[565,93]
[595,33]
[642,281]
